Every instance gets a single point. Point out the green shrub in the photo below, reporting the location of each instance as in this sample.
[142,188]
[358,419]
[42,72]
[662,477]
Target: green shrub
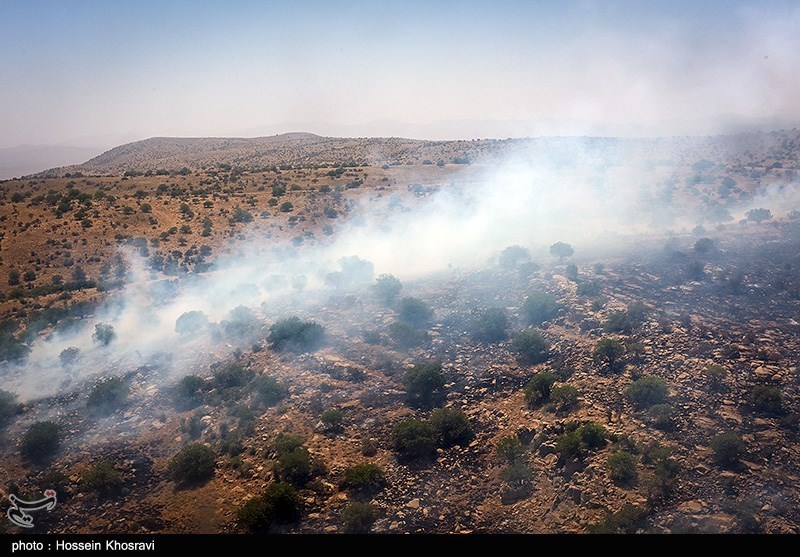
[241,325]
[538,388]
[358,518]
[425,385]
[715,374]
[628,520]
[332,419]
[187,393]
[191,323]
[539,307]
[69,356]
[387,288]
[268,390]
[8,407]
[293,335]
[414,312]
[232,375]
[279,503]
[365,476]
[108,394]
[407,336]
[516,472]
[647,391]
[414,439]
[530,347]
[564,398]
[102,478]
[766,399]
[727,449]
[621,467]
[661,416]
[514,256]
[286,207]
[608,352]
[104,333]
[40,441]
[294,464]
[451,426]
[592,434]
[193,463]
[491,325]
[509,448]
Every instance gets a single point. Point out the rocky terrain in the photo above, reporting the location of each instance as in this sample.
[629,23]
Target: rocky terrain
[644,383]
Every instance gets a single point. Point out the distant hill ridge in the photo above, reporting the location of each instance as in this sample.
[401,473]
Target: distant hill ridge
[307,149]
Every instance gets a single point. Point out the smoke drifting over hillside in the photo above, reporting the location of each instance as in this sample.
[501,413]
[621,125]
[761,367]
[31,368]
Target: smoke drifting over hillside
[575,198]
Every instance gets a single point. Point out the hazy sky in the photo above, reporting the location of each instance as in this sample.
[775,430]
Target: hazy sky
[102,72]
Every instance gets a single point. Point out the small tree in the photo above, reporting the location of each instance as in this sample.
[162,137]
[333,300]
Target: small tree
[425,384]
[387,288]
[727,449]
[514,256]
[191,323]
[102,478]
[358,518]
[766,399]
[715,374]
[647,391]
[108,394]
[413,439]
[187,393]
[40,441]
[537,391]
[608,353]
[414,312]
[8,407]
[622,467]
[561,250]
[491,325]
[193,463]
[564,398]
[758,215]
[509,448]
[451,426]
[540,306]
[364,477]
[69,356]
[104,333]
[530,347]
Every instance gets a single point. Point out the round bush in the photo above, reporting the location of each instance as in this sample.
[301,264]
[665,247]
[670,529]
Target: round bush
[364,476]
[8,407]
[538,388]
[414,312]
[647,391]
[451,426]
[269,390]
[425,384]
[102,478]
[509,448]
[530,347]
[621,467]
[108,394]
[279,503]
[413,439]
[766,399]
[491,325]
[187,392]
[358,518]
[727,449]
[40,441]
[539,307]
[193,463]
[564,397]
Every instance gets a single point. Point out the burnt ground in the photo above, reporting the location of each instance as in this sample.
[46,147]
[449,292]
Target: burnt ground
[734,304]
[747,325]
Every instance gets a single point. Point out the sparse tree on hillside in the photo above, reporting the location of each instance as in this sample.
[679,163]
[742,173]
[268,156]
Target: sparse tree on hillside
[561,250]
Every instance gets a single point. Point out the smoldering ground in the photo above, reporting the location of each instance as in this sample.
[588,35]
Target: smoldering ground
[573,195]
